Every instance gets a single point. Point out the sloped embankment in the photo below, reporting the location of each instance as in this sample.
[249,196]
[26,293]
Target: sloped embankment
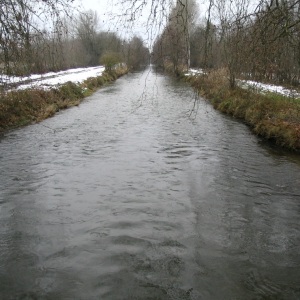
[23,107]
[270,115]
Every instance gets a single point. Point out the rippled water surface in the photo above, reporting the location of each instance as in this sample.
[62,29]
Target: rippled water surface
[132,195]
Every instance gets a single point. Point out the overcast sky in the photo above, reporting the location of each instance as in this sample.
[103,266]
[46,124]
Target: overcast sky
[110,12]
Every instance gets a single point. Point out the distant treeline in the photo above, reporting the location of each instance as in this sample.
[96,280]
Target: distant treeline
[42,36]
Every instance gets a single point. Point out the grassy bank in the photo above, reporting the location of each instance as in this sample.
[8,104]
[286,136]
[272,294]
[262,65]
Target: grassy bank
[23,107]
[270,115]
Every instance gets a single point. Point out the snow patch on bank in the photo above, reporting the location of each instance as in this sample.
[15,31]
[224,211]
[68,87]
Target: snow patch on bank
[194,72]
[257,86]
[52,79]
[262,87]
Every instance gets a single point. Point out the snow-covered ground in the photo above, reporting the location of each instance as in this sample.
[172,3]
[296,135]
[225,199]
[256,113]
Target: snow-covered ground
[194,72]
[262,87]
[52,79]
[257,86]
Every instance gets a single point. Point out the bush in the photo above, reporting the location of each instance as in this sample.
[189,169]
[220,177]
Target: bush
[110,59]
[70,91]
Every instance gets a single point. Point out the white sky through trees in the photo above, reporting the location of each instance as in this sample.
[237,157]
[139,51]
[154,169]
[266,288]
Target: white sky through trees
[113,17]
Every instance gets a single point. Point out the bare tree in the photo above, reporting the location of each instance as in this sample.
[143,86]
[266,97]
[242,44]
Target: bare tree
[258,39]
[87,31]
[20,23]
[174,43]
[136,53]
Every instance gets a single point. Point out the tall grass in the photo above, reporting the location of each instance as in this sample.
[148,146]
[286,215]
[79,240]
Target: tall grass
[270,115]
[23,107]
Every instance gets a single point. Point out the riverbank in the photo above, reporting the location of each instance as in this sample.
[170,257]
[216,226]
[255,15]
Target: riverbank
[270,115]
[26,106]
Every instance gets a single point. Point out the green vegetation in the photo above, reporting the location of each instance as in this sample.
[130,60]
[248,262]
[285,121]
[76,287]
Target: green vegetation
[270,115]
[19,108]
[110,59]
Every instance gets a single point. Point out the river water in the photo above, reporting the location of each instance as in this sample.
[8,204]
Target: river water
[135,195]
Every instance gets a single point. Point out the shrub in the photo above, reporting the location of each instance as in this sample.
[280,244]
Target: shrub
[110,59]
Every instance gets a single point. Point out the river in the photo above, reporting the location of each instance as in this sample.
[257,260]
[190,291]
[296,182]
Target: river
[135,195]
